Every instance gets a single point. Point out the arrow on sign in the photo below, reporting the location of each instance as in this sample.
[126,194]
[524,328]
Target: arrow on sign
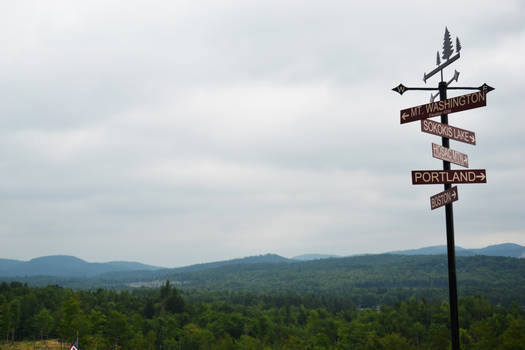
[404,116]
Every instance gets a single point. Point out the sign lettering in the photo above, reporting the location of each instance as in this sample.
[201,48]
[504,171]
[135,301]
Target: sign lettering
[434,177]
[451,132]
[450,105]
[444,198]
[449,155]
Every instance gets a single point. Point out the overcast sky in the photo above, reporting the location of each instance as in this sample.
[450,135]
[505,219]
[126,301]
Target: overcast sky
[181,132]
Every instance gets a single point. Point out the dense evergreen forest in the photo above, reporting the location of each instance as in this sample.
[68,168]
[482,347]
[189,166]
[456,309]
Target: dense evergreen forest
[168,318]
[362,280]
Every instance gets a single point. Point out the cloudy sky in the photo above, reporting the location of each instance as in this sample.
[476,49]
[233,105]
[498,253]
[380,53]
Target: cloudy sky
[180,132]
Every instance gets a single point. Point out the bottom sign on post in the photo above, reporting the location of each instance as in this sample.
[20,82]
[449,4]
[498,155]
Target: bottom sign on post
[444,198]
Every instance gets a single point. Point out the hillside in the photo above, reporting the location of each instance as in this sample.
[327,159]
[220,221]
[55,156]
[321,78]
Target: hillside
[307,257]
[65,266]
[505,249]
[366,280]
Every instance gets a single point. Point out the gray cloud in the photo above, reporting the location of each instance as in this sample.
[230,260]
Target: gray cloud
[176,133]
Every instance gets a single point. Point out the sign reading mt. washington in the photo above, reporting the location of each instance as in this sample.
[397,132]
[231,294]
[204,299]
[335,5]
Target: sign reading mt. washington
[450,105]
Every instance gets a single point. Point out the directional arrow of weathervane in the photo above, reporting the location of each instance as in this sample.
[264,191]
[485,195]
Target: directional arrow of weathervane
[455,77]
[400,89]
[440,67]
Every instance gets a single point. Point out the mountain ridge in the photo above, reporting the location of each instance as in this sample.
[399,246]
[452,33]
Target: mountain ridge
[70,266]
[65,266]
[510,250]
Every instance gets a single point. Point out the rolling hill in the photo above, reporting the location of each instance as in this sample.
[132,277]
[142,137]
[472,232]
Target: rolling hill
[65,266]
[505,249]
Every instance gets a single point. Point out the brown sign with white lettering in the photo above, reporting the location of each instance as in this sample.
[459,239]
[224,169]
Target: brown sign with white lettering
[449,155]
[434,177]
[450,132]
[444,198]
[450,105]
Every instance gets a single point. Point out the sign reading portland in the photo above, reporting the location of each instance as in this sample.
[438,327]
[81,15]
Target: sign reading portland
[450,105]
[434,177]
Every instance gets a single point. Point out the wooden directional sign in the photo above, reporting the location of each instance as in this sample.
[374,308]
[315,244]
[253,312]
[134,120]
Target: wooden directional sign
[451,132]
[450,105]
[449,155]
[444,198]
[434,177]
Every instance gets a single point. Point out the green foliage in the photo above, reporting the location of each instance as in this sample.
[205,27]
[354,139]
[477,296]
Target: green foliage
[200,319]
[361,280]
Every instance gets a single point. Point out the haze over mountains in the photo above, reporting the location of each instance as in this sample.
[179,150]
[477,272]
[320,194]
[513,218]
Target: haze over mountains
[69,266]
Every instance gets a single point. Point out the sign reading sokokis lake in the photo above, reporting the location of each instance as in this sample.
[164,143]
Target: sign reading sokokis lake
[447,177]
[445,130]
[444,198]
[451,105]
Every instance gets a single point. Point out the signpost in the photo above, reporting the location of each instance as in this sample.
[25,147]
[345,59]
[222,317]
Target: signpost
[449,155]
[451,105]
[437,177]
[444,198]
[447,176]
[444,130]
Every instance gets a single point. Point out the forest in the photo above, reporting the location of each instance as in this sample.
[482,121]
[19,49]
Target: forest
[366,280]
[172,318]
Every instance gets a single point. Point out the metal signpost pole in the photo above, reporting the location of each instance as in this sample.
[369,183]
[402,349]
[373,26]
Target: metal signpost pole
[447,177]
[451,251]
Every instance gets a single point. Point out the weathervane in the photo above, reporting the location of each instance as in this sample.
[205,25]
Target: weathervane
[447,177]
[448,50]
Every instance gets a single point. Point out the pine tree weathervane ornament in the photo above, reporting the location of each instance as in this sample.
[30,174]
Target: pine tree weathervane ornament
[447,177]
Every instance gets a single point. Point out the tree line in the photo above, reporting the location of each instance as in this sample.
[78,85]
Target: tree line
[168,318]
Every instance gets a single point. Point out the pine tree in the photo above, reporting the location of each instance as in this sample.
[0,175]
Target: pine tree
[458,45]
[447,45]
[438,60]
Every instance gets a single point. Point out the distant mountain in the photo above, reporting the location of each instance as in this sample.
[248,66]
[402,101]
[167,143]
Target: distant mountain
[506,249]
[65,266]
[367,279]
[308,257]
[251,260]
